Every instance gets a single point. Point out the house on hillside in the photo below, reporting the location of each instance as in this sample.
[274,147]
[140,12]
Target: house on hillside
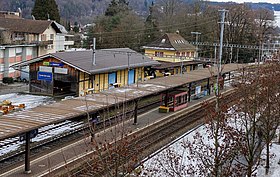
[80,72]
[23,39]
[175,54]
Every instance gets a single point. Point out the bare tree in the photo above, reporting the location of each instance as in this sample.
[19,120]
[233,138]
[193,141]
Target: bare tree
[251,115]
[216,148]
[239,24]
[169,9]
[114,151]
[269,112]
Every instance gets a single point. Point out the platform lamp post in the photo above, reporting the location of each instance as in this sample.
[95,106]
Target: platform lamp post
[182,65]
[196,41]
[135,122]
[27,168]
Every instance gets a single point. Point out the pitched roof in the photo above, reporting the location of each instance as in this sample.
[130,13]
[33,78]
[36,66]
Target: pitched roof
[106,60]
[171,41]
[164,65]
[26,25]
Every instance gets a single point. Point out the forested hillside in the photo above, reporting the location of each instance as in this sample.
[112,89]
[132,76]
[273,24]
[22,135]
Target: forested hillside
[74,10]
[83,11]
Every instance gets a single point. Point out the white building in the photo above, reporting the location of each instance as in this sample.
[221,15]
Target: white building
[23,39]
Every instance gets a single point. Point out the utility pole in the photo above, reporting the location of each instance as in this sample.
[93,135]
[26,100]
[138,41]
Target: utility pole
[237,53]
[219,63]
[230,55]
[259,59]
[196,40]
[215,54]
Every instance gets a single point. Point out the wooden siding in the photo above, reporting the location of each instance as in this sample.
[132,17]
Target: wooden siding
[46,87]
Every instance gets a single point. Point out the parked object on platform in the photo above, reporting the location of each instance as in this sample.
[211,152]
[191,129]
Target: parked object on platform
[6,107]
[174,100]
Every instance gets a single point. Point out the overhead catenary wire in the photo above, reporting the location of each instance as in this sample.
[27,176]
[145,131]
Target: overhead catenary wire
[129,34]
[208,20]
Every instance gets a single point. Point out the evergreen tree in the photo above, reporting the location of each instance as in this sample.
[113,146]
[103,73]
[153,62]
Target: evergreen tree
[115,7]
[68,26]
[76,27]
[46,9]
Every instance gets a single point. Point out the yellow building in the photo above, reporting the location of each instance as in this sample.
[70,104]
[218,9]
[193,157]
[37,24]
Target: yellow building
[80,72]
[171,47]
[174,53]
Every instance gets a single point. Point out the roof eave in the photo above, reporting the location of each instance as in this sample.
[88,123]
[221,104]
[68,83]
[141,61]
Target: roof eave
[25,63]
[158,48]
[116,68]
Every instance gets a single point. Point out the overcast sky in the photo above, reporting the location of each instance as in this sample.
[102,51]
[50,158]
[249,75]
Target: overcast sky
[241,1]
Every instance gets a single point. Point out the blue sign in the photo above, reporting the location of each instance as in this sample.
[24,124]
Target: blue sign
[56,64]
[45,76]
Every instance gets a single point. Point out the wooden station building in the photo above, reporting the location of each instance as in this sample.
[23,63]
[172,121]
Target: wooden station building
[80,72]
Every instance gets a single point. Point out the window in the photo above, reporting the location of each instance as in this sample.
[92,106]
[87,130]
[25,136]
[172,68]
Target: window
[43,37]
[18,51]
[18,37]
[51,36]
[50,46]
[159,54]
[177,54]
[183,54]
[163,40]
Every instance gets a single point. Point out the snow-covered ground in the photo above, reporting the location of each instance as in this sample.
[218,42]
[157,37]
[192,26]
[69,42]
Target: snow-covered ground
[277,20]
[274,170]
[30,101]
[164,163]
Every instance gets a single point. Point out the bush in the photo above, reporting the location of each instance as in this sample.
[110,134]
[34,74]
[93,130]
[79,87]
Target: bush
[8,80]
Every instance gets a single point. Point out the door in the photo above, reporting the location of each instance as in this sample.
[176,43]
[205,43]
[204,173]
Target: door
[131,76]
[112,79]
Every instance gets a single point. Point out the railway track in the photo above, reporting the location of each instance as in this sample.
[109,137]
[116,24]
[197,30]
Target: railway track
[148,142]
[79,129]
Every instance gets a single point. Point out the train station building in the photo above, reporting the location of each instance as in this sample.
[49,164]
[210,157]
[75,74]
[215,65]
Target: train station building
[80,72]
[175,54]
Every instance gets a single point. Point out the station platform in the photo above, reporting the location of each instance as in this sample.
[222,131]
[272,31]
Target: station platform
[45,164]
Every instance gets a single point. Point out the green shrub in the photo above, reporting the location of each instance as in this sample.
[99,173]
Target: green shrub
[8,80]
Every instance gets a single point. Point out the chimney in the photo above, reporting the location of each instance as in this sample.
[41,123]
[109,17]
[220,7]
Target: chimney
[177,31]
[20,12]
[93,52]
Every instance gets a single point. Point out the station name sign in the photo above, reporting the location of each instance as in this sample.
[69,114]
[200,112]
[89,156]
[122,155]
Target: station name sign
[53,64]
[61,70]
[45,76]
[45,69]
